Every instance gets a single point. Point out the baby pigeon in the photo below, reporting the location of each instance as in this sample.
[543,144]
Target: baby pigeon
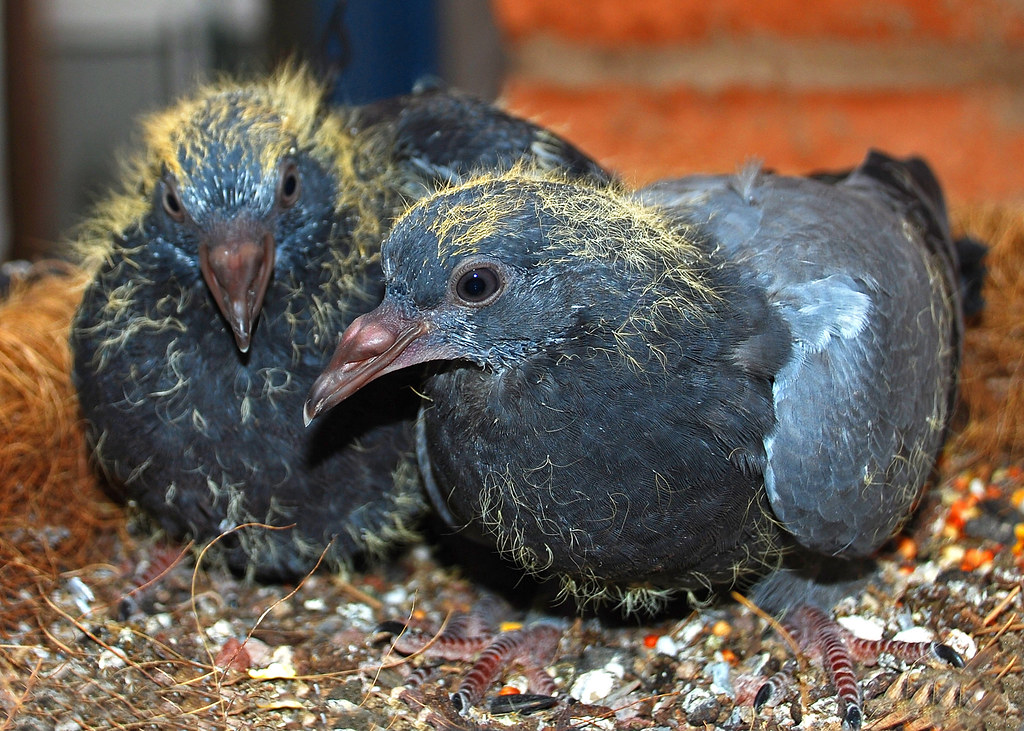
[245,235]
[711,381]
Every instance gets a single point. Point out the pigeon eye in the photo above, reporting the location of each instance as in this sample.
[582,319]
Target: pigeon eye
[172,203]
[288,187]
[479,285]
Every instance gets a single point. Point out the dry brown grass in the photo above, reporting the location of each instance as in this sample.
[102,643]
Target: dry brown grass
[53,514]
[993,370]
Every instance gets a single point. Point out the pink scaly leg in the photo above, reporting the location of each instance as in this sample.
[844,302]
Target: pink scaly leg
[531,647]
[826,641]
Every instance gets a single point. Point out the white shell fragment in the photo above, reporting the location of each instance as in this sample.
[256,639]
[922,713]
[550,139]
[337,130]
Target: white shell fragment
[962,642]
[862,627]
[915,634]
[593,686]
[666,646]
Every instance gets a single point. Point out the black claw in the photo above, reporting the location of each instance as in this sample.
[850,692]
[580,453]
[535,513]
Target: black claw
[853,718]
[461,702]
[947,654]
[391,627]
[764,693]
[522,703]
[127,607]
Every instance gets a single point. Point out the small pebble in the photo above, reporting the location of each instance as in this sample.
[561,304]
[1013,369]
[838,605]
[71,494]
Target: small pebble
[616,668]
[951,556]
[743,717]
[700,707]
[756,664]
[357,615]
[281,665]
[233,656]
[259,651]
[516,683]
[109,659]
[666,646]
[273,671]
[593,686]
[689,632]
[862,627]
[220,631]
[163,620]
[81,593]
[915,634]
[343,705]
[925,573]
[962,642]
[721,683]
[687,670]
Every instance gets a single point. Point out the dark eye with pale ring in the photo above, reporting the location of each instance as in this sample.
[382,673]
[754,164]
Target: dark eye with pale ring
[479,285]
[288,186]
[172,203]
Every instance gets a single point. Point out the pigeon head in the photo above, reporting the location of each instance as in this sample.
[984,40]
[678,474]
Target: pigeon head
[499,269]
[240,183]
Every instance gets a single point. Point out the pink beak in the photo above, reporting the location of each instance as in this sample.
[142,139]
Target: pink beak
[237,268]
[376,343]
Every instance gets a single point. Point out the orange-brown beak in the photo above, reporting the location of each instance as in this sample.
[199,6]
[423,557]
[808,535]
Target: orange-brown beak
[376,343]
[237,266]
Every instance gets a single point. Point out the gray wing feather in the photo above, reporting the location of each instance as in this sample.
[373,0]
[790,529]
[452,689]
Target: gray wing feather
[862,402]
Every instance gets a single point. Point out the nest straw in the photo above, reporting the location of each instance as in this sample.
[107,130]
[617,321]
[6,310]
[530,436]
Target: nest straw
[992,381]
[53,513]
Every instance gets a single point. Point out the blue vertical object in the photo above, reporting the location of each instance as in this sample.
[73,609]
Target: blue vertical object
[386,46]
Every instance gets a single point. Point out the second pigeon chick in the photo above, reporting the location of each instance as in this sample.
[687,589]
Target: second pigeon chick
[245,235]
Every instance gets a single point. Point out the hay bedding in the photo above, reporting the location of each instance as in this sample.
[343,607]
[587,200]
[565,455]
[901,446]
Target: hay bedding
[102,626]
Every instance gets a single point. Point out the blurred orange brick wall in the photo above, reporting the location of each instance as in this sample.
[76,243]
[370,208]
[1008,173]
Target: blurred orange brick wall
[665,87]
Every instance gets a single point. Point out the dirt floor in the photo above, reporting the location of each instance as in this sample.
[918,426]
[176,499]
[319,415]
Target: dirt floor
[102,626]
[165,656]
